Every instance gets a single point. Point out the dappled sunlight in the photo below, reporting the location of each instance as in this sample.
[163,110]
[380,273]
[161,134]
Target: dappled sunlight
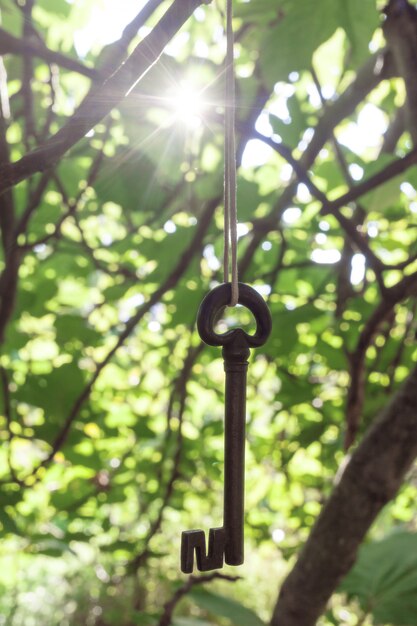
[112,407]
[256,154]
[112,16]
[366,132]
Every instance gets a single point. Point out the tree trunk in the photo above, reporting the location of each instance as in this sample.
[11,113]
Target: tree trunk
[370,480]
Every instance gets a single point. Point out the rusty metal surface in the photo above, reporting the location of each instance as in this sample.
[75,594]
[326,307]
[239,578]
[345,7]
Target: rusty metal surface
[225,543]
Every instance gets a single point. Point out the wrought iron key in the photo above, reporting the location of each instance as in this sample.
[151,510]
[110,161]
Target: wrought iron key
[226,542]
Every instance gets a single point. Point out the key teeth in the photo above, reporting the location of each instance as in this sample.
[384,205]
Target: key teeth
[195,540]
[190,539]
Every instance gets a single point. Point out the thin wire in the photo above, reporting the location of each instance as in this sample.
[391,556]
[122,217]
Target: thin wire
[230,206]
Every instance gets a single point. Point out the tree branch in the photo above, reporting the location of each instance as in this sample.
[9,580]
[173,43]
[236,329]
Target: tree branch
[7,407]
[27,77]
[400,30]
[9,44]
[112,55]
[169,607]
[393,132]
[7,215]
[371,479]
[355,399]
[102,99]
[377,68]
[8,278]
[387,173]
[344,286]
[263,226]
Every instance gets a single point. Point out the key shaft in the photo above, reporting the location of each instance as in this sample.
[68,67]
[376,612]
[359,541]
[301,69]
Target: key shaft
[235,366]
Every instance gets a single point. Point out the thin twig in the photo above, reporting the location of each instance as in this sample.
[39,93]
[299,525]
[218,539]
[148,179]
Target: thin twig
[8,415]
[9,44]
[355,398]
[169,607]
[181,390]
[392,368]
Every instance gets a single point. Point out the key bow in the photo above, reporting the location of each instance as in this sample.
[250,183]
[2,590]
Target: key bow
[213,305]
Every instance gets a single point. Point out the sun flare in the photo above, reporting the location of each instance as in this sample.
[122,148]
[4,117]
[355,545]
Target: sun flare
[188,104]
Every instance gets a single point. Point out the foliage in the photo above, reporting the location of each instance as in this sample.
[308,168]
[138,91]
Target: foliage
[112,411]
[384,579]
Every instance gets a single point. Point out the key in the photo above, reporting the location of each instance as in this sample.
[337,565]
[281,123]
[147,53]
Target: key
[226,542]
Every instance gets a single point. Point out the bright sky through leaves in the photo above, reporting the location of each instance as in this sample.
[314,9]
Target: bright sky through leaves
[188,106]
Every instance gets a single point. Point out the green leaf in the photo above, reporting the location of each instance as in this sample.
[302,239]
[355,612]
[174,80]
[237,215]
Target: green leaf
[54,392]
[70,327]
[190,621]
[248,199]
[309,24]
[60,7]
[8,524]
[225,607]
[386,194]
[359,19]
[290,130]
[258,10]
[141,619]
[130,184]
[384,579]
[127,547]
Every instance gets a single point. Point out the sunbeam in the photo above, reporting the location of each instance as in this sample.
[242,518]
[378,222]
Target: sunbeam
[187,104]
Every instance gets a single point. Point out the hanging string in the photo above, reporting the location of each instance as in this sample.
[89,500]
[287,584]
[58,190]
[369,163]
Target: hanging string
[230,208]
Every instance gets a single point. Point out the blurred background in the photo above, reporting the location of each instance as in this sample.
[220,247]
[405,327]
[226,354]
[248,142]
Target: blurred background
[111,410]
